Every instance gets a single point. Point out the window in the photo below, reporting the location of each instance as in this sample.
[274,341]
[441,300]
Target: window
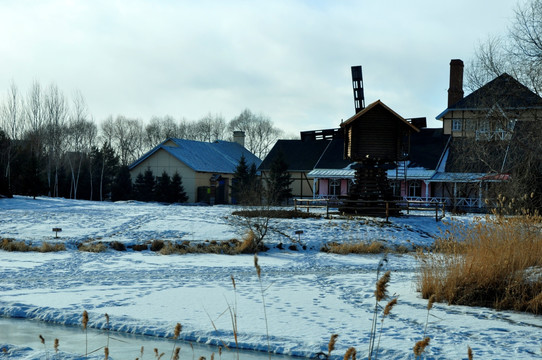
[334,187]
[457,125]
[484,126]
[414,188]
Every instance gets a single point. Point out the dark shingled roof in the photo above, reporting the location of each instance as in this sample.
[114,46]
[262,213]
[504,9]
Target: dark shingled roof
[333,156]
[299,155]
[504,91]
[426,147]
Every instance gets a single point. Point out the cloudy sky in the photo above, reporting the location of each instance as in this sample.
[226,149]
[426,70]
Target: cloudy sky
[287,59]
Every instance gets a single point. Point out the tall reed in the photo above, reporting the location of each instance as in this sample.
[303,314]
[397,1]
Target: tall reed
[259,273]
[490,263]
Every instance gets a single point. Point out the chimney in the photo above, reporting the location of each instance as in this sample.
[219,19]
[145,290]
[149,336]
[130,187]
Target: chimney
[455,92]
[239,137]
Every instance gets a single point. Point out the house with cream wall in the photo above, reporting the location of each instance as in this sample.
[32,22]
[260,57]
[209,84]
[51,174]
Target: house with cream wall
[206,168]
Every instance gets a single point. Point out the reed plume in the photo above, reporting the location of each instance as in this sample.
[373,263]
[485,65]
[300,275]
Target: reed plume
[469,352]
[382,286]
[430,303]
[176,353]
[56,345]
[420,346]
[84,321]
[176,333]
[106,353]
[331,344]
[350,354]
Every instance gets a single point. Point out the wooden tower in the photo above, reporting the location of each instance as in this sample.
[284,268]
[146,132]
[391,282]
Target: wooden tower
[376,138]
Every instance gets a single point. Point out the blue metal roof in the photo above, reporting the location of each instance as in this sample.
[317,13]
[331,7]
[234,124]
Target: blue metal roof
[216,157]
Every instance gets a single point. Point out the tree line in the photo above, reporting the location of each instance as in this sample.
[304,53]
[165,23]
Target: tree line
[51,145]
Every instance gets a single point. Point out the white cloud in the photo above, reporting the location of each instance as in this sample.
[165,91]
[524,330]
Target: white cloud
[287,59]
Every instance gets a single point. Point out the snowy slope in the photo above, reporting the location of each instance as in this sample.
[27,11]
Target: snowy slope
[309,295]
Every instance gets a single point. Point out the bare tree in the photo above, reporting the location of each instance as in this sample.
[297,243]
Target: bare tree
[13,125]
[519,53]
[81,135]
[260,134]
[126,136]
[210,128]
[35,116]
[56,113]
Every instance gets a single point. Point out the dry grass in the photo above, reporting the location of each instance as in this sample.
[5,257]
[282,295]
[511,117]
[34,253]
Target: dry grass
[22,246]
[228,247]
[374,247]
[495,262]
[96,247]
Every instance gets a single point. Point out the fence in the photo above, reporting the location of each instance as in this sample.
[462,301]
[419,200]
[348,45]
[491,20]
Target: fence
[377,206]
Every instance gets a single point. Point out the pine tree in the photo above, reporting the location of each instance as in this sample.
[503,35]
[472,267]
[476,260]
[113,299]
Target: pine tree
[144,186]
[163,189]
[240,181]
[177,193]
[278,183]
[122,188]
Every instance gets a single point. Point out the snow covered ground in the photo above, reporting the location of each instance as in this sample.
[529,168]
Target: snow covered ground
[308,295]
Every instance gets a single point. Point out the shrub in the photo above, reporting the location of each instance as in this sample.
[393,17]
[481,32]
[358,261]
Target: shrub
[140,247]
[375,247]
[46,247]
[494,263]
[97,247]
[22,246]
[116,245]
[157,245]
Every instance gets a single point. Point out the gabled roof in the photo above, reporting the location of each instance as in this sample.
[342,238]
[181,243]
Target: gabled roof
[504,91]
[373,105]
[216,157]
[299,155]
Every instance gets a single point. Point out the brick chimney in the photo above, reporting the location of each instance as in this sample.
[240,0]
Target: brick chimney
[455,92]
[239,137]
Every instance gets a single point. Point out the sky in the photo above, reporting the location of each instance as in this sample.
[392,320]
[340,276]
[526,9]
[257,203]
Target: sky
[288,60]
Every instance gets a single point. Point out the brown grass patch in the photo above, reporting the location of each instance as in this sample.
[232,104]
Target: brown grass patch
[495,262]
[228,247]
[96,247]
[22,246]
[374,247]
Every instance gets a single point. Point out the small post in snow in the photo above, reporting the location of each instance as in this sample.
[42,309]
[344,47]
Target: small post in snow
[57,230]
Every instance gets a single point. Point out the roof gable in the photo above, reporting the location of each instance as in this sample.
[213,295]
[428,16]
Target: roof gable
[504,91]
[216,157]
[373,105]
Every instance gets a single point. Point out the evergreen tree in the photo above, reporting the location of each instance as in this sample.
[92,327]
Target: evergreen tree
[162,190]
[177,193]
[240,181]
[122,188]
[144,186]
[255,185]
[278,183]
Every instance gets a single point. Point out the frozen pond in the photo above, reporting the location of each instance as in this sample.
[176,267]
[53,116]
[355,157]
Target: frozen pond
[26,333]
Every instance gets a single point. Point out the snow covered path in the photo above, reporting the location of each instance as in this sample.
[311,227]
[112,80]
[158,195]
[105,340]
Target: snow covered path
[308,295]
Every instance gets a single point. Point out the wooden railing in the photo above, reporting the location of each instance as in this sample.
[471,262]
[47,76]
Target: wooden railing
[381,206]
